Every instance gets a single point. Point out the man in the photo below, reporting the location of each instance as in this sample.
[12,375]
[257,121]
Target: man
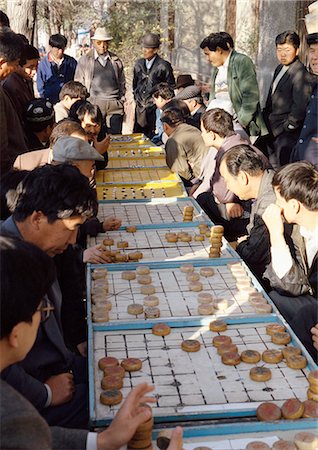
[185,148]
[245,175]
[234,85]
[55,69]
[162,95]
[307,145]
[102,73]
[51,203]
[39,121]
[25,278]
[12,141]
[148,72]
[70,93]
[287,99]
[294,271]
[191,95]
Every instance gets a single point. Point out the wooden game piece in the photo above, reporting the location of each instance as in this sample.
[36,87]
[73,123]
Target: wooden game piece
[135,308]
[205,310]
[274,328]
[231,359]
[230,348]
[214,253]
[217,229]
[263,309]
[208,233]
[144,279]
[122,244]
[101,317]
[115,371]
[190,345]
[128,275]
[151,312]
[108,242]
[142,270]
[172,239]
[196,286]
[161,329]
[290,351]
[107,361]
[215,245]
[243,284]
[187,268]
[151,300]
[203,226]
[310,409]
[111,397]
[99,273]
[257,302]
[260,374]
[306,441]
[205,298]
[112,382]
[217,341]
[100,308]
[131,229]
[296,362]
[218,325]
[194,276]
[292,409]
[312,396]
[282,444]
[135,256]
[313,377]
[281,338]
[186,238]
[272,356]
[199,237]
[206,271]
[147,289]
[120,257]
[257,445]
[250,356]
[131,364]
[313,388]
[268,412]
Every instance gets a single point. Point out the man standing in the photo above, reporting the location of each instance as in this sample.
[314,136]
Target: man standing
[234,85]
[102,73]
[55,69]
[148,72]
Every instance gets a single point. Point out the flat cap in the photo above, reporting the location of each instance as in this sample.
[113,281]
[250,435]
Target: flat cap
[189,93]
[151,40]
[68,148]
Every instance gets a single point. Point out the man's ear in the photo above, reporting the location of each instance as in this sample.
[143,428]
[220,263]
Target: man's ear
[36,219]
[296,205]
[2,62]
[13,337]
[243,177]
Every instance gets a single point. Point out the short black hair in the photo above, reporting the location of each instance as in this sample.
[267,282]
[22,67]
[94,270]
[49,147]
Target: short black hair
[163,90]
[26,276]
[11,45]
[58,41]
[59,192]
[66,127]
[180,106]
[29,52]
[4,20]
[81,107]
[219,121]
[242,158]
[74,89]
[222,40]
[172,116]
[288,37]
[8,185]
[298,181]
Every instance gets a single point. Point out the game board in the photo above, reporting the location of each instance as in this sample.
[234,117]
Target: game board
[136,152]
[158,189]
[196,385]
[151,212]
[154,246]
[136,163]
[136,176]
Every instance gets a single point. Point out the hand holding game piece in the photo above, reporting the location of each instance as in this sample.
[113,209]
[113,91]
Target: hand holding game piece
[94,255]
[111,224]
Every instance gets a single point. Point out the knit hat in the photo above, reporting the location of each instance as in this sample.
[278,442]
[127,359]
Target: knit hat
[68,148]
[151,40]
[190,93]
[184,81]
[39,110]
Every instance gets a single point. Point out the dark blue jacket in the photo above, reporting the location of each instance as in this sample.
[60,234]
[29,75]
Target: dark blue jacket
[51,78]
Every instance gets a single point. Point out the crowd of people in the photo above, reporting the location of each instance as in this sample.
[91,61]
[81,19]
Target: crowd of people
[253,171]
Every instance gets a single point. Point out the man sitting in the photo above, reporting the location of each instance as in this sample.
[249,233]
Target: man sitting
[191,95]
[39,121]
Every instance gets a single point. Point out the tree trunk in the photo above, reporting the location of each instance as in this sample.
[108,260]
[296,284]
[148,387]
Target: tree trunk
[22,15]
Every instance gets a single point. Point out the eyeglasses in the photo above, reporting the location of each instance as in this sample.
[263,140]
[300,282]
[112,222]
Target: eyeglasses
[45,309]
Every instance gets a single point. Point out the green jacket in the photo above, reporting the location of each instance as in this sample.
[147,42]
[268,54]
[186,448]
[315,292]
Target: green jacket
[244,94]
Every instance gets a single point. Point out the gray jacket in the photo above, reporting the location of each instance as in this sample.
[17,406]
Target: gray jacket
[85,71]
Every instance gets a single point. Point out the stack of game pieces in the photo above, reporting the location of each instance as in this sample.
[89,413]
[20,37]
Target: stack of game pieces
[188,213]
[216,236]
[312,392]
[142,438]
[99,292]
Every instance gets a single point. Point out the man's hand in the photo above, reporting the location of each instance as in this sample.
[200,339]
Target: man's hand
[82,348]
[112,223]
[314,332]
[176,441]
[234,210]
[242,239]
[62,387]
[129,417]
[95,255]
[273,218]
[103,145]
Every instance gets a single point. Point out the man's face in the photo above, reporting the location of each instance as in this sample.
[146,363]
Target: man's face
[57,53]
[8,67]
[86,167]
[159,102]
[234,184]
[215,58]
[92,128]
[286,53]
[100,46]
[30,68]
[149,53]
[313,58]
[54,238]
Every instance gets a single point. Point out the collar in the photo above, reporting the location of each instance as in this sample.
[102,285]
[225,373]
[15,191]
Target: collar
[308,234]
[52,60]
[104,57]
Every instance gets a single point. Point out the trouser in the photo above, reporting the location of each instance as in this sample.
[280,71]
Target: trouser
[145,121]
[113,113]
[73,414]
[280,148]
